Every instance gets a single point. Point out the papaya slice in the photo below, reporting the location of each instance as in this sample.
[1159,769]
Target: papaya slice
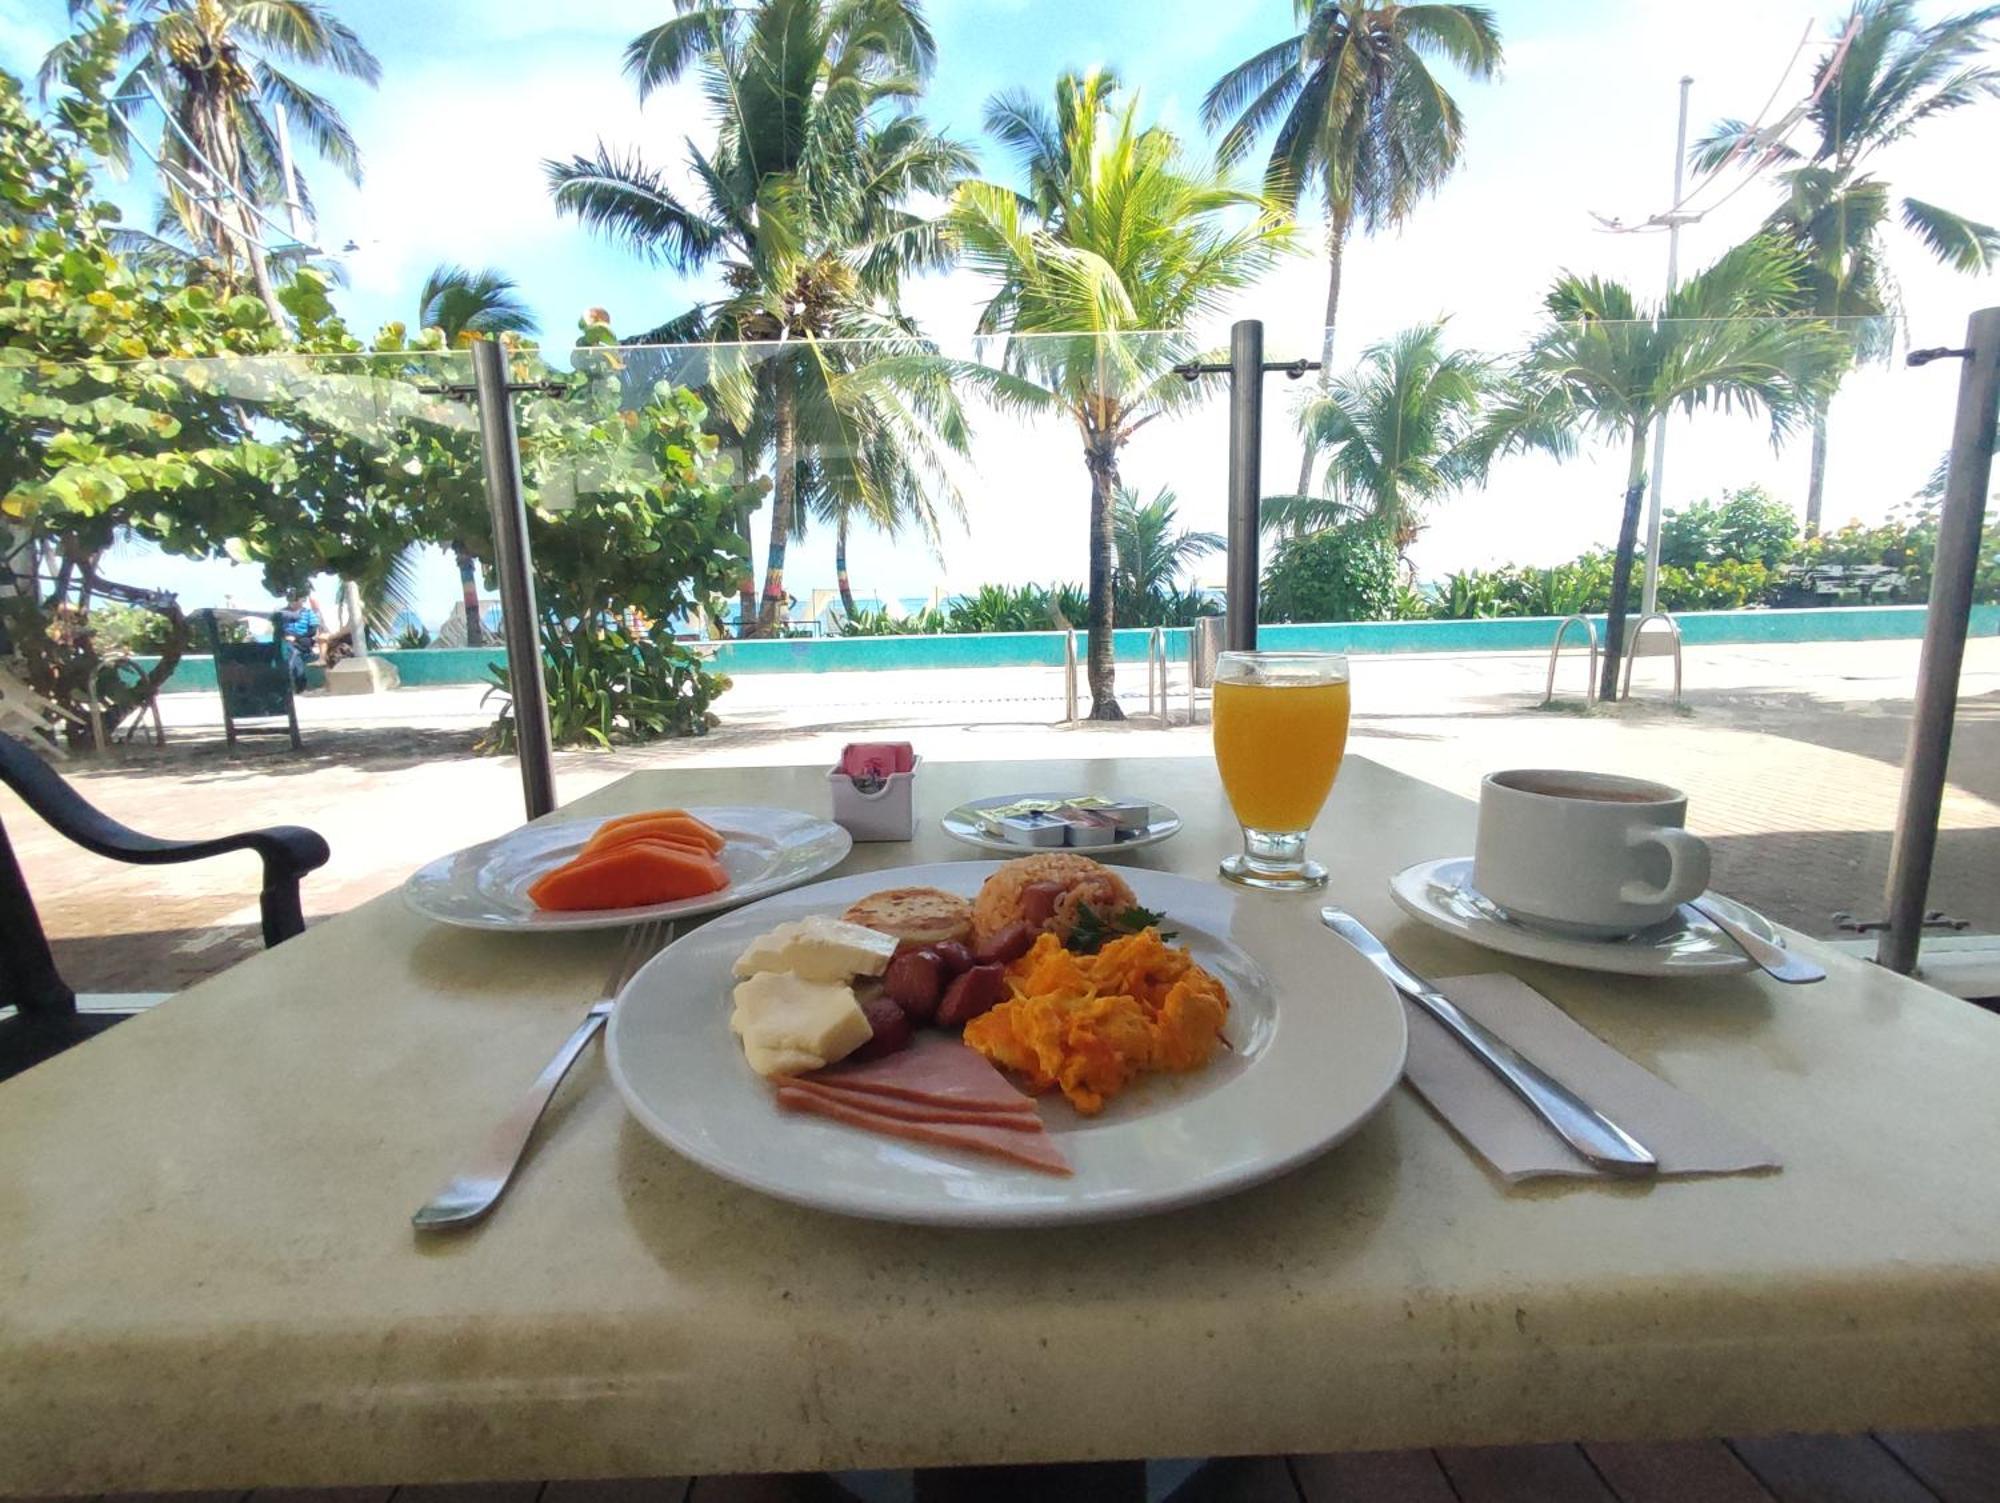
[631,875]
[667,821]
[605,840]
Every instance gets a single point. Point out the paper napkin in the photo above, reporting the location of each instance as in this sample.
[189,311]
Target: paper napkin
[1686,1136]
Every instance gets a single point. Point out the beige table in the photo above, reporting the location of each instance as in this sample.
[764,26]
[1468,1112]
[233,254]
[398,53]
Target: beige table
[207,1276]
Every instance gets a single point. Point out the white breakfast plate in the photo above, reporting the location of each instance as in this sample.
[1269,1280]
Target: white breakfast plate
[1311,1059]
[485,886]
[1442,895]
[961,824]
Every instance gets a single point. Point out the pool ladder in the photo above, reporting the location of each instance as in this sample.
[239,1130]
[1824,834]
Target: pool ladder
[1555,652]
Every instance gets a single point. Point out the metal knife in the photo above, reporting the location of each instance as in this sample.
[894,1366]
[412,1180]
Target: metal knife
[1602,1143]
[1776,961]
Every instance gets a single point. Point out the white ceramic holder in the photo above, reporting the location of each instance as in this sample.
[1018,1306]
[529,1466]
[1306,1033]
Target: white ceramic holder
[875,808]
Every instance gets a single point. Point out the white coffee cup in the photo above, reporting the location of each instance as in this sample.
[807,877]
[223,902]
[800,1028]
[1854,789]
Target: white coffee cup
[1585,853]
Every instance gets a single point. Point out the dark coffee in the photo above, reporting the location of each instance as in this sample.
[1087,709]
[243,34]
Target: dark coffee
[1560,785]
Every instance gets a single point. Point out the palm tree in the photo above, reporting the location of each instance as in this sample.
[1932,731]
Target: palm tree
[804,202]
[1361,119]
[1118,244]
[1154,552]
[1892,75]
[220,69]
[466,305]
[1403,430]
[1723,339]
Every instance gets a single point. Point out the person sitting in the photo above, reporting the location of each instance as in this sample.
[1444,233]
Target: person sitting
[298,628]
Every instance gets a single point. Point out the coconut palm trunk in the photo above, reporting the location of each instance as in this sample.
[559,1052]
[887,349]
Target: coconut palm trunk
[1101,666]
[207,122]
[840,566]
[1816,479]
[784,500]
[468,589]
[1621,566]
[1336,251]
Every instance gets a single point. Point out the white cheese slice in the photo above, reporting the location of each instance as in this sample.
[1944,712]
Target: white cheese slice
[818,949]
[790,1025]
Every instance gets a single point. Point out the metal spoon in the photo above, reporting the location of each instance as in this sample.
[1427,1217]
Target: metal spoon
[1777,962]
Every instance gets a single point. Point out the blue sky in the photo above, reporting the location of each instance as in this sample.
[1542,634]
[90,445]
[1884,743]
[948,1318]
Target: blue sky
[475,93]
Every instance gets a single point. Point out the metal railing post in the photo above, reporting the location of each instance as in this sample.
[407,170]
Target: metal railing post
[1246,452]
[1945,626]
[521,622]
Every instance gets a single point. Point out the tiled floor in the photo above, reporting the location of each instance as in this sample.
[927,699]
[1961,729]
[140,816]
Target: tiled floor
[1944,1467]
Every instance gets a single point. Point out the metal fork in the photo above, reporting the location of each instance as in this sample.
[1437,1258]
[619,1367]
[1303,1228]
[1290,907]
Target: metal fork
[473,1192]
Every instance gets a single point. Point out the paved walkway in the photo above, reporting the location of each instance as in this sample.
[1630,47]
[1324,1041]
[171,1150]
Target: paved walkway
[1791,755]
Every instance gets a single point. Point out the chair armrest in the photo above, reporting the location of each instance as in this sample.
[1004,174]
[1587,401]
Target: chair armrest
[288,851]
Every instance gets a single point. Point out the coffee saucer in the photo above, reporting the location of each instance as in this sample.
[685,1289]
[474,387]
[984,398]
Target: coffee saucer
[1441,894]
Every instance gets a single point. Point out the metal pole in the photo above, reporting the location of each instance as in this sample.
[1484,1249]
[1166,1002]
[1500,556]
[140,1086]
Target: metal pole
[1945,625]
[295,210]
[1246,445]
[1651,603]
[512,559]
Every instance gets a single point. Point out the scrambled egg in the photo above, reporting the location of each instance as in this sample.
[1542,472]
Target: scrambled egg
[1089,1025]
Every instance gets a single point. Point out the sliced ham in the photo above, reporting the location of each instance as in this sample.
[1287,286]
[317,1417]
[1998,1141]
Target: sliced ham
[936,1071]
[917,1111]
[1036,1150]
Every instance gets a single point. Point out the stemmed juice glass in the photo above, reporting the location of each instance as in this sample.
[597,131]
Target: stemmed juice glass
[1280,732]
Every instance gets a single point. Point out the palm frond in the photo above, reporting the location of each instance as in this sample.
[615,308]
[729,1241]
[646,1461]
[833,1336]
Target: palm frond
[658,56]
[1960,243]
[315,115]
[631,204]
[1468,36]
[303,31]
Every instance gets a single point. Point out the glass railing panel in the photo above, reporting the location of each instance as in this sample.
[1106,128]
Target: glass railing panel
[942,503]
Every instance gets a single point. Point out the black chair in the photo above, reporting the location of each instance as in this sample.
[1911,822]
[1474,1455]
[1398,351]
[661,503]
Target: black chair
[254,680]
[46,1019]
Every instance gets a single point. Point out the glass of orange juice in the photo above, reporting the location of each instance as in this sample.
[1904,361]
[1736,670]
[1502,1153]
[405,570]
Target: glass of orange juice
[1280,732]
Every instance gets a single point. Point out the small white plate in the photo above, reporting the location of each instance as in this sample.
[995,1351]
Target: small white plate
[1313,1052]
[1442,895]
[485,886]
[962,824]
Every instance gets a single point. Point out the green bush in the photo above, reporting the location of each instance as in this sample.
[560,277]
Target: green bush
[1575,588]
[1409,603]
[1726,586]
[924,623]
[413,638]
[133,629]
[1747,526]
[1346,572]
[1017,608]
[1474,593]
[605,685]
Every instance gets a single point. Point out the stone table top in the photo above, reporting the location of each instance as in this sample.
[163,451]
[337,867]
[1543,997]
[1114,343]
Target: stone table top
[208,1277]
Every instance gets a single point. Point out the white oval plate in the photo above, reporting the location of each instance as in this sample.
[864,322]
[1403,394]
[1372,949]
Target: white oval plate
[485,886]
[1442,895]
[1310,1061]
[960,824]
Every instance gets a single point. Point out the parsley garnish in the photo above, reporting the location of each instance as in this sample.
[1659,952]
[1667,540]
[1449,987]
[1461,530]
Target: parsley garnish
[1093,931]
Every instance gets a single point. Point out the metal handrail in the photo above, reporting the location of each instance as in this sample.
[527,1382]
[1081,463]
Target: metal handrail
[1069,675]
[1632,650]
[1156,675]
[1555,650]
